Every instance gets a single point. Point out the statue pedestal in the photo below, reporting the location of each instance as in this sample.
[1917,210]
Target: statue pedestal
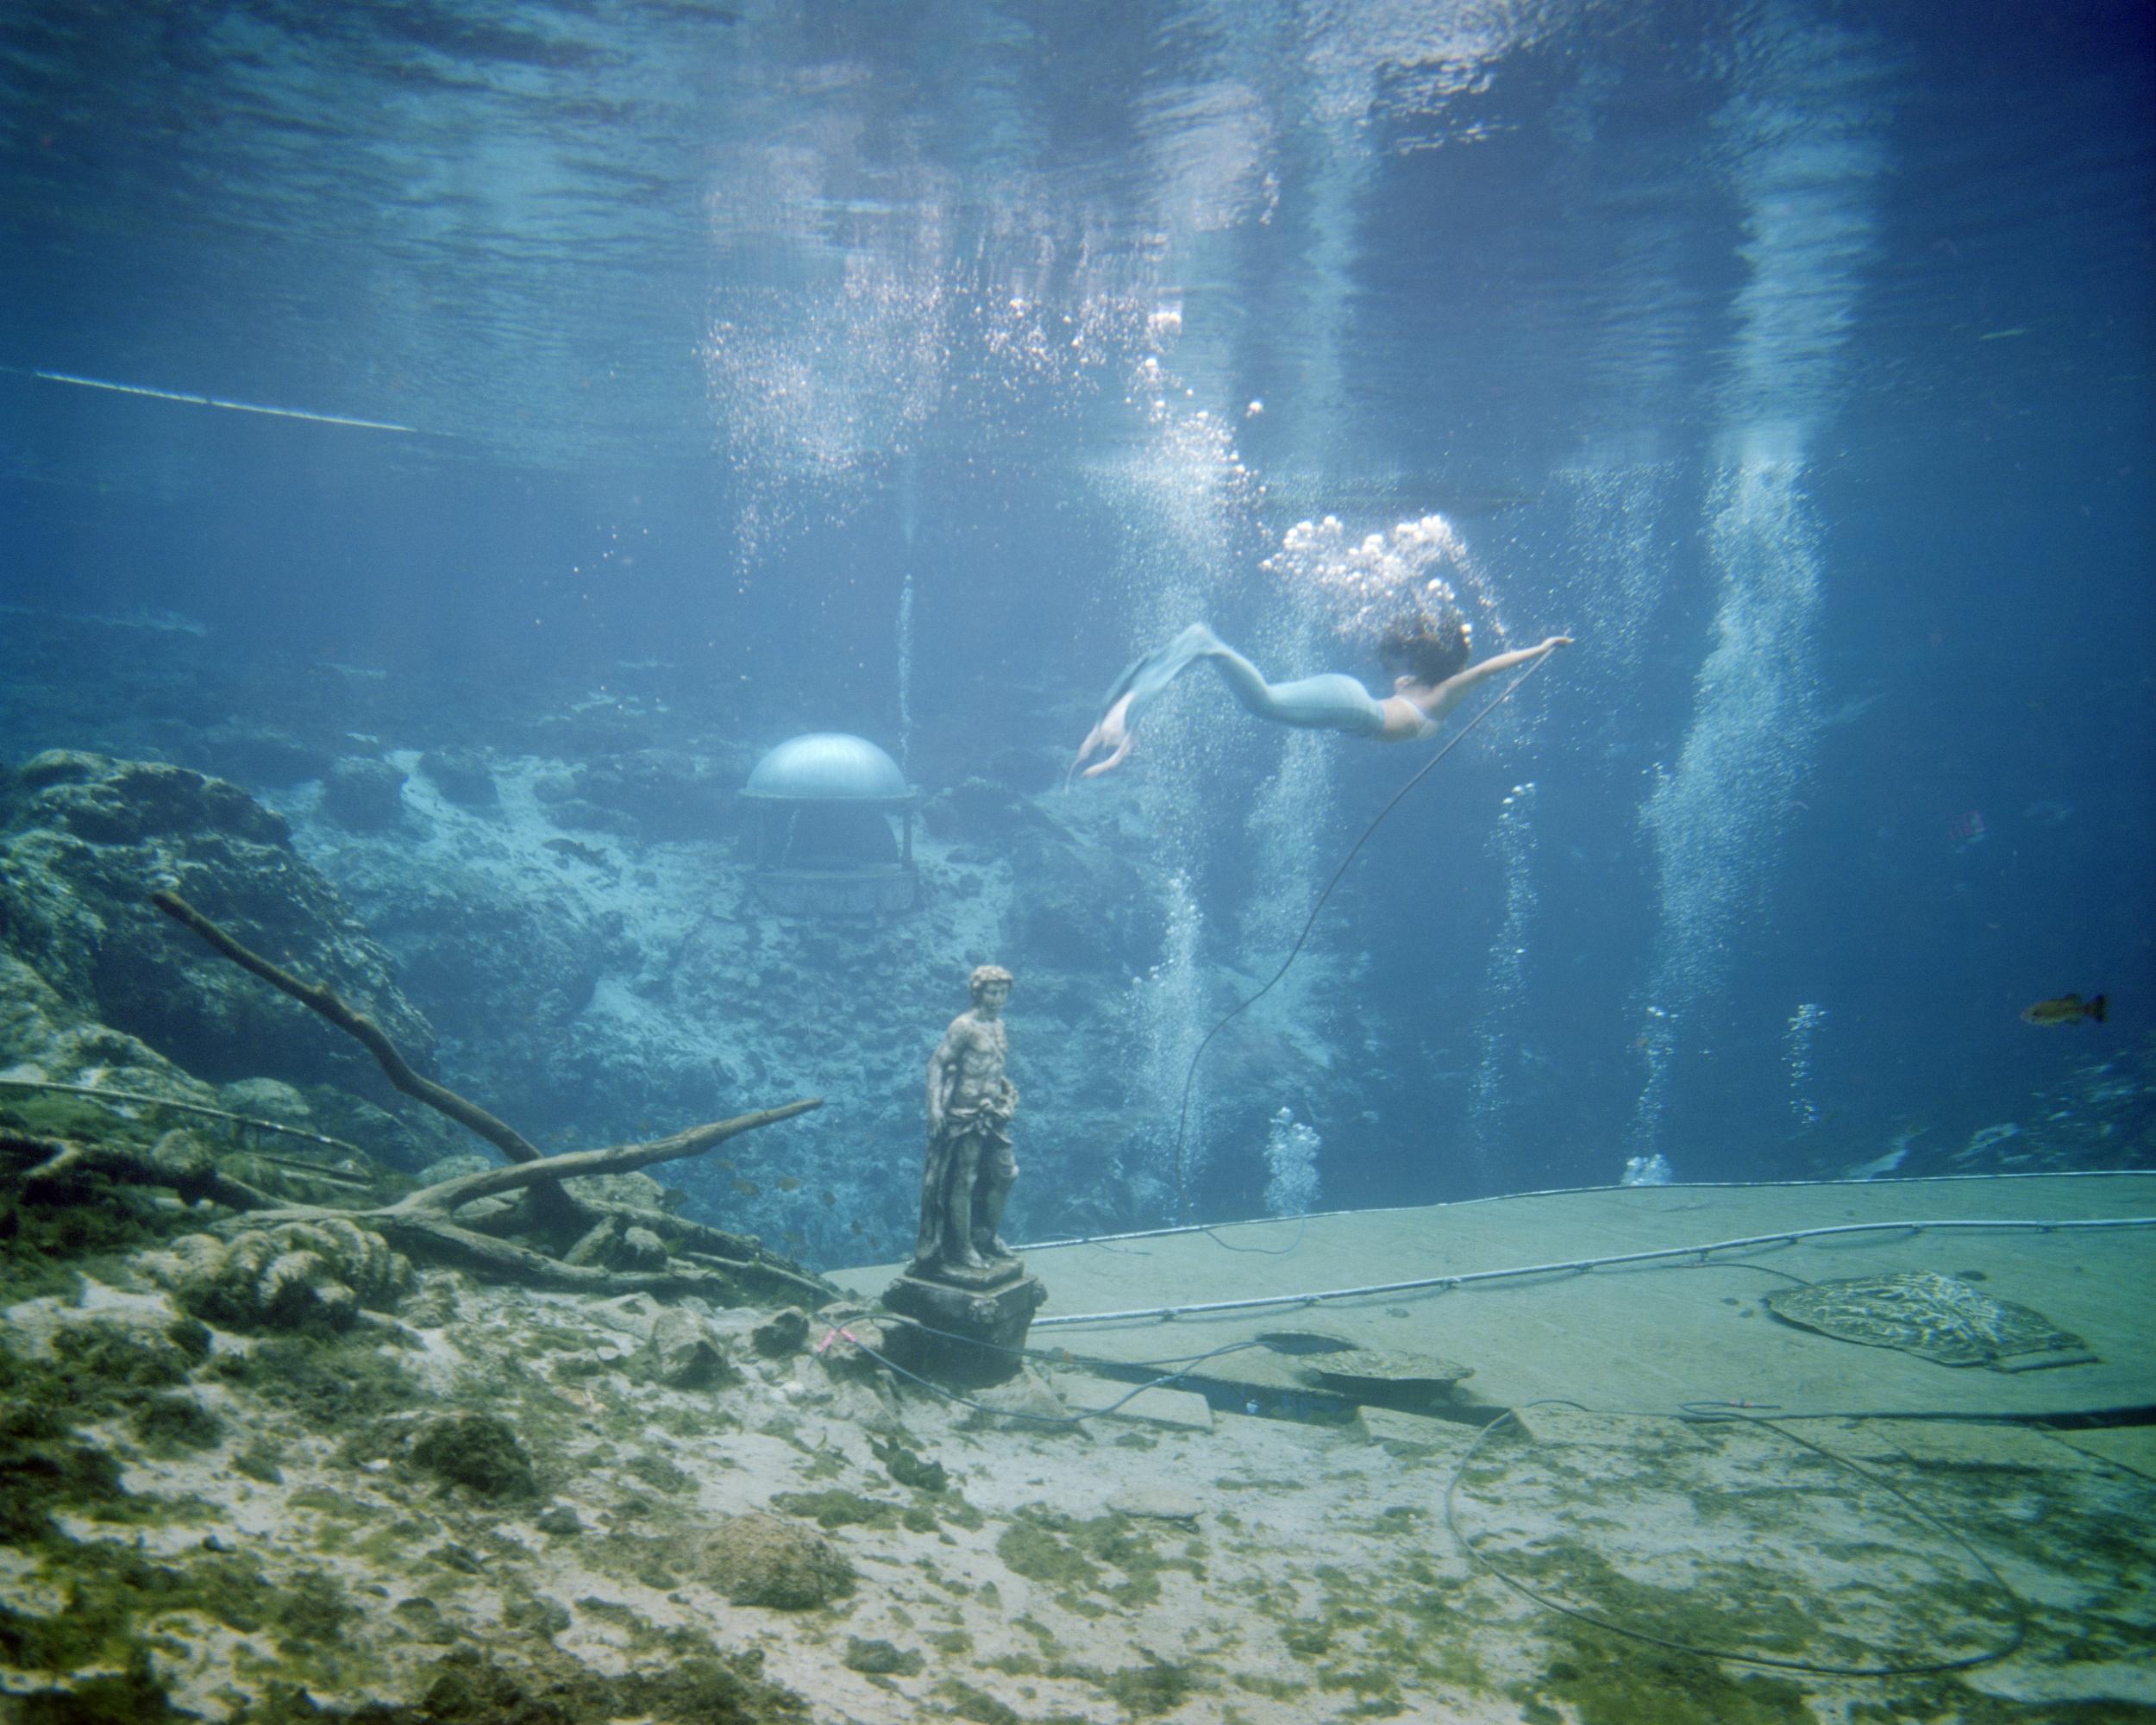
[978,1314]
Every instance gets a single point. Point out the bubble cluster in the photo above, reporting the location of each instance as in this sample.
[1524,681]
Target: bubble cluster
[1500,1011]
[1370,583]
[1190,505]
[817,388]
[1622,570]
[1291,1159]
[1717,818]
[1796,1053]
[1166,1008]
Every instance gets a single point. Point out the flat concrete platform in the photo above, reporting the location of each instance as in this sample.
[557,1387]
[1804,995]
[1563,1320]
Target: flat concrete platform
[1642,1338]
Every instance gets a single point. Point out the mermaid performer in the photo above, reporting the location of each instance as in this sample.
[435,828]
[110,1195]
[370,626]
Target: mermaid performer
[1429,655]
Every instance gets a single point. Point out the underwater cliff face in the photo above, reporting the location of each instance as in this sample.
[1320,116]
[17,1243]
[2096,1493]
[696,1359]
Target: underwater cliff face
[83,842]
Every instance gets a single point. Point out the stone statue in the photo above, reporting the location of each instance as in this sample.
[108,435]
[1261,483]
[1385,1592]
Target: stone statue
[969,1168]
[968,1295]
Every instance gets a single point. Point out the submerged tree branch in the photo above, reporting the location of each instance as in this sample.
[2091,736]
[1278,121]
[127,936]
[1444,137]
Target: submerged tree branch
[313,996]
[59,1163]
[621,1158]
[421,1222]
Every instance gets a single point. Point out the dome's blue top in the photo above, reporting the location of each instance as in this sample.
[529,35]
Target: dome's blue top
[828,767]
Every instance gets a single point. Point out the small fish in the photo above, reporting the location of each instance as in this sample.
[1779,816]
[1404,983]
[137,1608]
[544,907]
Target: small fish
[2063,1009]
[788,1184]
[747,1188]
[828,1198]
[855,1227]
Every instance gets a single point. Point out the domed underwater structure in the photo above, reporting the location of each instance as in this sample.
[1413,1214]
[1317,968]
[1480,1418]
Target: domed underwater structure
[822,807]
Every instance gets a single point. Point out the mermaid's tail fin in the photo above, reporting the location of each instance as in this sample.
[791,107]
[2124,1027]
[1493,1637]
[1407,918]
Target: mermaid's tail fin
[1143,682]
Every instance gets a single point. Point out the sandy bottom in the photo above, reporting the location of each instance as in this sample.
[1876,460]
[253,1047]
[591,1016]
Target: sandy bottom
[1187,1565]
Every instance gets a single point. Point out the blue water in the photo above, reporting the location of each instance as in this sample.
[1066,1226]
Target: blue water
[1795,358]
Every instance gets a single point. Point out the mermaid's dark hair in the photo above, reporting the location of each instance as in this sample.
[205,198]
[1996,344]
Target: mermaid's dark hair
[1427,648]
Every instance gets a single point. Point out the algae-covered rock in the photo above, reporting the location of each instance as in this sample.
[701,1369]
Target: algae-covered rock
[45,1038]
[301,1276]
[364,795]
[684,1354]
[784,1332]
[83,840]
[759,1560]
[478,1451]
[461,775]
[326,1111]
[640,1248]
[881,1658]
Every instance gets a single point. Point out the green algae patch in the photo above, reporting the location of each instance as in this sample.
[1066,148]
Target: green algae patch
[477,1451]
[41,1470]
[881,1658]
[116,1596]
[656,1471]
[694,1686]
[909,1468]
[965,1702]
[1077,1556]
[1149,1690]
[134,1697]
[837,1508]
[99,1365]
[1040,1553]
[333,1384]
[177,1425]
[325,1502]
[1608,1680]
[1272,1688]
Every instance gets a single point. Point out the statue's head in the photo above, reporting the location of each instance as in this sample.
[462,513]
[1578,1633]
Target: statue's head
[983,975]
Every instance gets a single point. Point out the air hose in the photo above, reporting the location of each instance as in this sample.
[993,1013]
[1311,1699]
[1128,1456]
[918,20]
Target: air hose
[1190,1077]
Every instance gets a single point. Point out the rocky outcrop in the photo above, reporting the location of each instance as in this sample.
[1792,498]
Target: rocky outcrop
[43,1039]
[463,776]
[364,794]
[759,1560]
[83,840]
[665,795]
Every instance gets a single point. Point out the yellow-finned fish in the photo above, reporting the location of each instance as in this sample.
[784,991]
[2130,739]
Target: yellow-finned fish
[2063,1009]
